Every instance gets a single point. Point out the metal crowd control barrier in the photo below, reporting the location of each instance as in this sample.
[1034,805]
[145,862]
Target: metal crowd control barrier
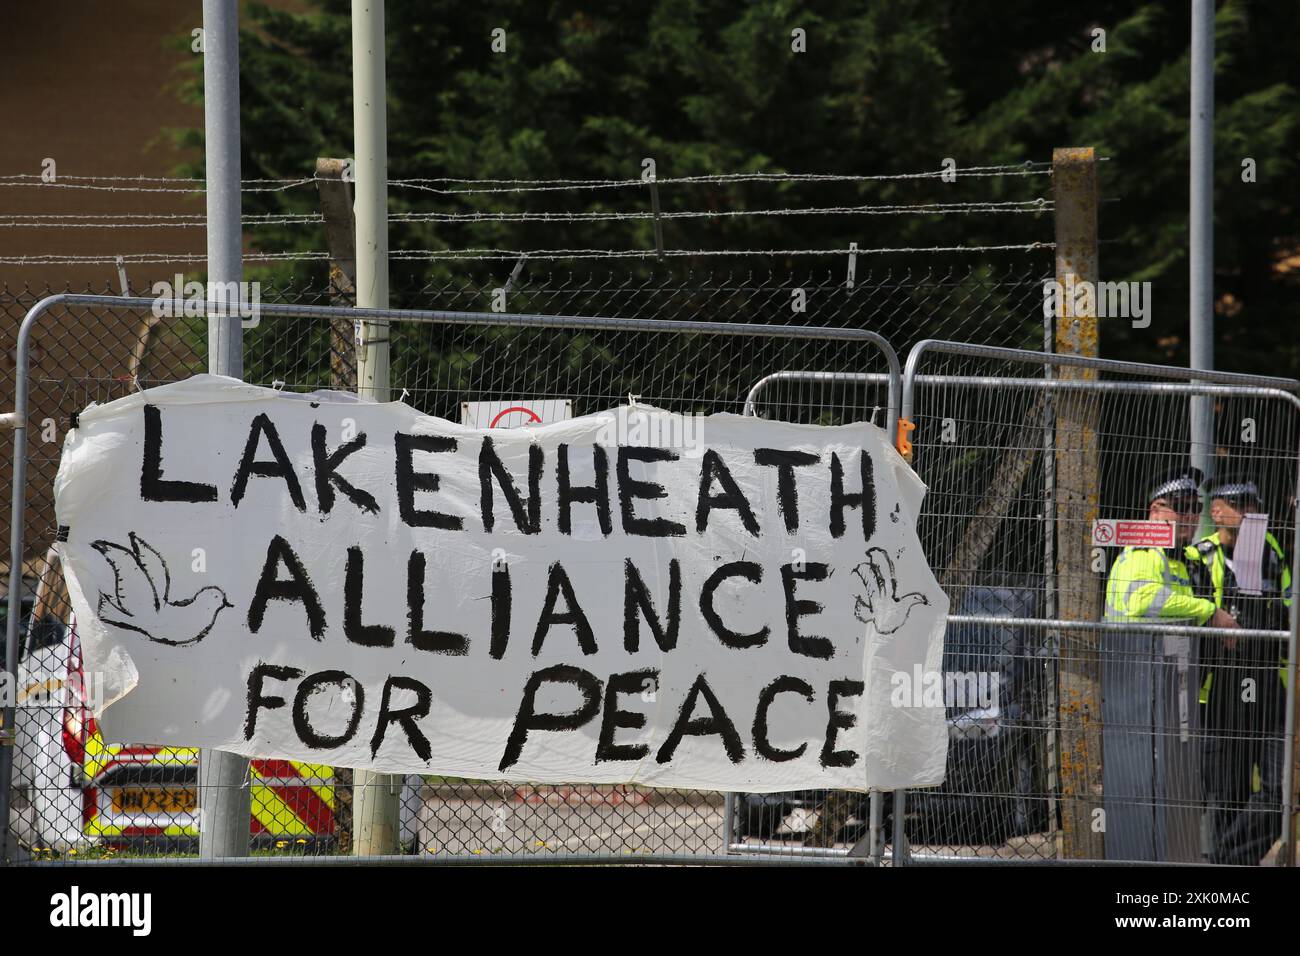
[439,357]
[872,845]
[972,531]
[835,378]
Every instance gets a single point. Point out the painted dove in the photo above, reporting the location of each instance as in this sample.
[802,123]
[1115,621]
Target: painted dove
[880,603]
[141,599]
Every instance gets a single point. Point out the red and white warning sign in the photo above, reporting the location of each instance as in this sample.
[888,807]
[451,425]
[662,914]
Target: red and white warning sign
[515,414]
[1123,533]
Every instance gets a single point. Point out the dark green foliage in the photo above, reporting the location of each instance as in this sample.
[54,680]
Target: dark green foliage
[706,86]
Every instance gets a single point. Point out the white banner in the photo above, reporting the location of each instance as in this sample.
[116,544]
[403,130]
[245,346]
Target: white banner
[633,596]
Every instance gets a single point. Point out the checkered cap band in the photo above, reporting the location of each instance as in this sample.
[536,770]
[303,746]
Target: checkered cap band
[1182,485]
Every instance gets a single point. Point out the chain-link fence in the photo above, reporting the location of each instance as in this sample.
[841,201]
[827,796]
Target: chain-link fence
[79,358]
[81,795]
[1002,453]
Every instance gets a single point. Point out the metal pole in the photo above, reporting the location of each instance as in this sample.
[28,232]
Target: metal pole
[8,729]
[376,796]
[901,854]
[1291,734]
[1201,232]
[370,169]
[221,140]
[1051,714]
[875,848]
[728,821]
[224,797]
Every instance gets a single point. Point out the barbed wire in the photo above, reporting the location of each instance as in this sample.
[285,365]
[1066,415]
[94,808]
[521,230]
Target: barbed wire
[508,254]
[144,220]
[426,184]
[199,220]
[1023,206]
[1028,164]
[150,189]
[514,254]
[1021,169]
[134,179]
[55,259]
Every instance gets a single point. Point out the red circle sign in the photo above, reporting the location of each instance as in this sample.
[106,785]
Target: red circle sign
[1103,533]
[515,408]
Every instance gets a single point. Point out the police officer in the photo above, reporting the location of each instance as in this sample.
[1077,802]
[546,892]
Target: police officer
[1243,693]
[1149,772]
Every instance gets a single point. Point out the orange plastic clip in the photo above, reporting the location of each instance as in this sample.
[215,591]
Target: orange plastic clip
[904,444]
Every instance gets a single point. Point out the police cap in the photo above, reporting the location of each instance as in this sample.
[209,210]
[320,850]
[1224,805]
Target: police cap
[1236,488]
[1181,482]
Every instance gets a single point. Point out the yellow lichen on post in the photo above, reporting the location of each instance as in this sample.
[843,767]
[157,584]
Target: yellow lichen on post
[1077,475]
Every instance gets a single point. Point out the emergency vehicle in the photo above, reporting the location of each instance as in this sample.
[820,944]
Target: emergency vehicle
[75,789]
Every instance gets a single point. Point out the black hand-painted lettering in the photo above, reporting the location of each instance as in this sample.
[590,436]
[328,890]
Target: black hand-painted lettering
[256,699]
[762,744]
[637,604]
[717,722]
[840,720]
[787,491]
[298,587]
[865,500]
[439,642]
[597,494]
[409,481]
[302,725]
[406,716]
[632,682]
[367,635]
[527,719]
[751,572]
[281,467]
[820,648]
[557,584]
[490,467]
[153,487]
[630,489]
[500,611]
[326,466]
[714,469]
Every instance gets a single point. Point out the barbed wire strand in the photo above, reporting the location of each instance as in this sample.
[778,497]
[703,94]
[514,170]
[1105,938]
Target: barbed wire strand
[973,172]
[1027,168]
[510,254]
[152,189]
[198,220]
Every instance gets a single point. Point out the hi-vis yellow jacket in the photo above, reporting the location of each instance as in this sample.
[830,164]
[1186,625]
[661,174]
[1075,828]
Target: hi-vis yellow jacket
[1151,584]
[1209,551]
